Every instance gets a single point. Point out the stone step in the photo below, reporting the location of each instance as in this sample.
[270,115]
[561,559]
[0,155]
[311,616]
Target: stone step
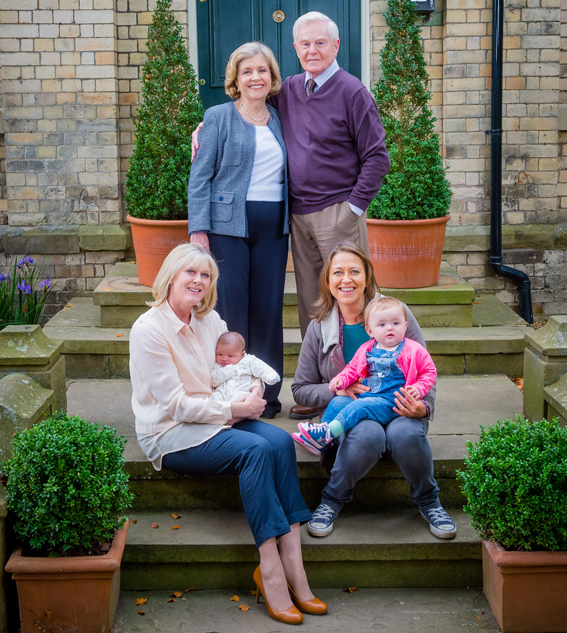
[495,346]
[463,404]
[215,550]
[448,304]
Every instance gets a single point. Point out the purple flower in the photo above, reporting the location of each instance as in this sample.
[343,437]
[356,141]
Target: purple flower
[3,277]
[45,284]
[26,289]
[21,285]
[26,260]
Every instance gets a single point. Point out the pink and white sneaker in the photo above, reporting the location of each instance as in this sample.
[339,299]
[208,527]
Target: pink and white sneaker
[313,437]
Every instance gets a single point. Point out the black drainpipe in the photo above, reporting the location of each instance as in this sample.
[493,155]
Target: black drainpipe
[498,268]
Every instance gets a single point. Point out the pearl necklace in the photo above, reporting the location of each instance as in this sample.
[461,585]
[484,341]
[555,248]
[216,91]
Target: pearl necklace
[253,118]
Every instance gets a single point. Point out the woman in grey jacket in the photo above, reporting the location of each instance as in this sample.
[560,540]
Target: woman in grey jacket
[346,286]
[237,204]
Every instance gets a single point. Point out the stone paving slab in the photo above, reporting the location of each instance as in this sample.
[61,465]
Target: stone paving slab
[364,611]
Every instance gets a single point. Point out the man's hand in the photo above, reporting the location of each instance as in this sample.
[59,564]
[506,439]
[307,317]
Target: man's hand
[195,141]
[201,238]
[408,406]
[354,389]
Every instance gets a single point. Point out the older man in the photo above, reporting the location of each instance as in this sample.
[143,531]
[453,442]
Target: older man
[336,154]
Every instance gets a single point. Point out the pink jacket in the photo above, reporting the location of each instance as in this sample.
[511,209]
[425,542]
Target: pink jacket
[414,361]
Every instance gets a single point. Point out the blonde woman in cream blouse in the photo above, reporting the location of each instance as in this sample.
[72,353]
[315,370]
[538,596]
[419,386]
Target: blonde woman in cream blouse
[172,352]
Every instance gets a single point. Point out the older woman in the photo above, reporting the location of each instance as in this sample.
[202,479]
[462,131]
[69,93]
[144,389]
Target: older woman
[238,205]
[346,286]
[172,352]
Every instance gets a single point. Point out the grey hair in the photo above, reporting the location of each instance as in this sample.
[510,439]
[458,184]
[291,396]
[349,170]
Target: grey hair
[315,16]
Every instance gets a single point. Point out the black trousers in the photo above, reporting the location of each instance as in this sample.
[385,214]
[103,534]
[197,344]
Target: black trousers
[251,285]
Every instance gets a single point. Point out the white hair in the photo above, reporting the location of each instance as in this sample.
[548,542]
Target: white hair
[315,16]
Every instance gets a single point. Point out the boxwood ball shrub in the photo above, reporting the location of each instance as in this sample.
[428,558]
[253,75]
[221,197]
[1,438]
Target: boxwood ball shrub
[516,485]
[416,187]
[66,484]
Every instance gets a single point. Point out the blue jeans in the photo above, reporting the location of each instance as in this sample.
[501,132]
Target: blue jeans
[405,439]
[263,457]
[367,406]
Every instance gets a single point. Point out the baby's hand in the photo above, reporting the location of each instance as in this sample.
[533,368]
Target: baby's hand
[336,384]
[414,391]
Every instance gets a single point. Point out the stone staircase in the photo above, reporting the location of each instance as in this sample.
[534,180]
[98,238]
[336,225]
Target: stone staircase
[380,539]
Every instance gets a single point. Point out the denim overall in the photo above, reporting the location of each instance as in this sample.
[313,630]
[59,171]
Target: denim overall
[384,378]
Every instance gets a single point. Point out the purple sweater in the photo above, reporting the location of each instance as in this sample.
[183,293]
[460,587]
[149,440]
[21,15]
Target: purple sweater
[335,142]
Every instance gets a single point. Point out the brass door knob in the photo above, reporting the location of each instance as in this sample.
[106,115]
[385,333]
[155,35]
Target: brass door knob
[279,16]
[202,82]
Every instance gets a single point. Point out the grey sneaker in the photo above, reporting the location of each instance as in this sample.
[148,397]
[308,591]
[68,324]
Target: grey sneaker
[321,523]
[440,523]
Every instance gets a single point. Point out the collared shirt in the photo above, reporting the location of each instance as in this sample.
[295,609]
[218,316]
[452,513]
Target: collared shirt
[170,365]
[323,77]
[320,80]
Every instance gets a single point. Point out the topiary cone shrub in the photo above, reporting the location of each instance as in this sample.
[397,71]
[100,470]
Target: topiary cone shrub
[416,187]
[516,485]
[66,486]
[156,183]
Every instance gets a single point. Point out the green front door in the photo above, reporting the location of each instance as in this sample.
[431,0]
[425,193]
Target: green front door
[223,25]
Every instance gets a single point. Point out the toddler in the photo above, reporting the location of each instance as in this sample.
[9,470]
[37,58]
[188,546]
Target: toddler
[236,372]
[387,362]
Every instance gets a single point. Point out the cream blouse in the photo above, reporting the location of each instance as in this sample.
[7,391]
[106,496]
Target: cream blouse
[170,365]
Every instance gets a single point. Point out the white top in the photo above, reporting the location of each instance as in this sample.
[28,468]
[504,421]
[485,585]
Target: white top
[267,182]
[170,365]
[234,381]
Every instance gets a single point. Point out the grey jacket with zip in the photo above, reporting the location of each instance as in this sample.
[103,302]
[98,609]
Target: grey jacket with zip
[321,359]
[222,169]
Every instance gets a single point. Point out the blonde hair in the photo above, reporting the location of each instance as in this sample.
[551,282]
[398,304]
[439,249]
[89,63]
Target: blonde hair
[315,16]
[185,256]
[324,305]
[381,303]
[250,49]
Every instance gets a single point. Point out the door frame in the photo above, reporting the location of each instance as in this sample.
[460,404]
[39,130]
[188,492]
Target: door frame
[364,38]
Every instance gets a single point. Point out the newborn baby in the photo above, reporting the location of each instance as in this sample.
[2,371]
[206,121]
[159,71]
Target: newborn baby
[236,372]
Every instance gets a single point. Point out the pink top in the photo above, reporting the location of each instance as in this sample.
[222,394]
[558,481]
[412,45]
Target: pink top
[414,361]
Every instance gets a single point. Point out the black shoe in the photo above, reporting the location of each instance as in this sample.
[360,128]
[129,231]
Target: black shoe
[270,412]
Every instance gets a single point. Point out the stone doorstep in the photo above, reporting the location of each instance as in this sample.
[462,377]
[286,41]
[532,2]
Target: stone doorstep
[215,550]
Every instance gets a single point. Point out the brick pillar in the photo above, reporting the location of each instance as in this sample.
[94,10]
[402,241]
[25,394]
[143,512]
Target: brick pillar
[60,110]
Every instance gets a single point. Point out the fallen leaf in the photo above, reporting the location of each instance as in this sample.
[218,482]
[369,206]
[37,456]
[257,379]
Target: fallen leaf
[152,610]
[235,599]
[140,602]
[243,607]
[49,615]
[155,525]
[132,262]
[191,588]
[477,302]
[172,600]
[175,527]
[133,521]
[119,335]
[351,589]
[175,515]
[69,305]
[141,613]
[176,594]
[254,592]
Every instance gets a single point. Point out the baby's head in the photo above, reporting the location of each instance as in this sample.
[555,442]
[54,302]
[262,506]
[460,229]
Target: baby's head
[386,320]
[231,348]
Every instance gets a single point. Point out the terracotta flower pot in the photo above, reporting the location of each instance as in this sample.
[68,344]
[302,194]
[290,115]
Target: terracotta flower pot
[78,593]
[406,253]
[153,241]
[526,590]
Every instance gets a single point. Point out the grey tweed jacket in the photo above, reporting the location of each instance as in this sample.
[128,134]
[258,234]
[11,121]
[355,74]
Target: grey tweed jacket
[221,172]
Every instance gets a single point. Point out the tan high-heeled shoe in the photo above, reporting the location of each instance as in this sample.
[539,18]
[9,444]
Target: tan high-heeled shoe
[289,616]
[314,606]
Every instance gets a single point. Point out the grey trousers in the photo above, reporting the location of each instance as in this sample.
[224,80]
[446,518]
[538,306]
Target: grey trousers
[405,439]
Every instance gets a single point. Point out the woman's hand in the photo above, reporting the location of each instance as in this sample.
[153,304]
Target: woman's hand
[258,391]
[200,237]
[195,141]
[408,406]
[250,407]
[355,388]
